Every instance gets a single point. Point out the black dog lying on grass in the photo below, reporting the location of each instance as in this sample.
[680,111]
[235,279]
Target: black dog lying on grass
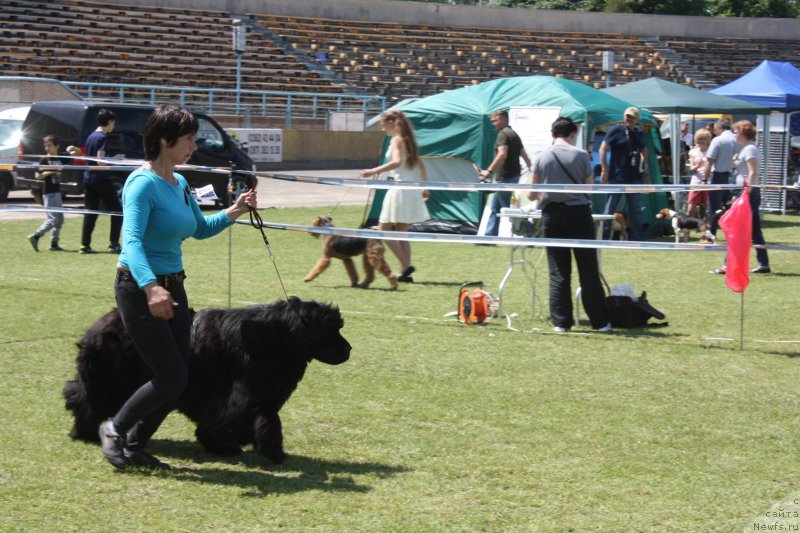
[244,365]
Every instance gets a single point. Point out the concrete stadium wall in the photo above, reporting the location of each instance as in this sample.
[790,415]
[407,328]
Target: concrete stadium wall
[306,149]
[486,17]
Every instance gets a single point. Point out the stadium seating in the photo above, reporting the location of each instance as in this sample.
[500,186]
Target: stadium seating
[91,41]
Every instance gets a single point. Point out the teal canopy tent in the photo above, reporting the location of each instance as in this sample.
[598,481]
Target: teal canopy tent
[456,124]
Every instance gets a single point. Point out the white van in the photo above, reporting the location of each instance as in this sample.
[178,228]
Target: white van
[11,120]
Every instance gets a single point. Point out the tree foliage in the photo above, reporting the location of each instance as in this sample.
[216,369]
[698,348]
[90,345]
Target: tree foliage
[717,8]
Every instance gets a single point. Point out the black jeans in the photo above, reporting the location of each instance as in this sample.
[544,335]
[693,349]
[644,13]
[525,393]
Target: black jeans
[561,221]
[164,347]
[717,198]
[95,193]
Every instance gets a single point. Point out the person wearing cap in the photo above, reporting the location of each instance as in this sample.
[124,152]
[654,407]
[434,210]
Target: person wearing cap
[626,165]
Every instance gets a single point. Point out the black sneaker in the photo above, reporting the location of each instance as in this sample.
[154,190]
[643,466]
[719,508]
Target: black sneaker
[114,248]
[761,270]
[113,444]
[85,250]
[56,248]
[142,459]
[34,240]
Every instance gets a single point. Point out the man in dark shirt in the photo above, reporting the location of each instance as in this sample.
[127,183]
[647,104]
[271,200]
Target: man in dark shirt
[505,165]
[627,165]
[98,186]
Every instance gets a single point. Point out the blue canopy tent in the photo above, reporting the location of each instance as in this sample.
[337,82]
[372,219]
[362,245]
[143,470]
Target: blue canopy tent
[774,84]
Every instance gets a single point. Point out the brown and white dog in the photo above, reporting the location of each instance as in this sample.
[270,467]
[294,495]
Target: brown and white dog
[683,224]
[619,226]
[345,248]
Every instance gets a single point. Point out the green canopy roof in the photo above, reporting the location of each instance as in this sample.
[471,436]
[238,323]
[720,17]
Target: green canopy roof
[661,96]
[456,123]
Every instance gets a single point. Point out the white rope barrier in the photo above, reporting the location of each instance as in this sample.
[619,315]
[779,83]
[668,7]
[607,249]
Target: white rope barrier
[507,241]
[105,164]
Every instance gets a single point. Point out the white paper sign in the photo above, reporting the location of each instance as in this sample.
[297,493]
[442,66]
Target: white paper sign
[261,144]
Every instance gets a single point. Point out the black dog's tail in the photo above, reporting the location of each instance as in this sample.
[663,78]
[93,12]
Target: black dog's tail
[86,420]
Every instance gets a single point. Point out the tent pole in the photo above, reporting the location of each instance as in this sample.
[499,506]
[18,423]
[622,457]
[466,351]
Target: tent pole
[675,145]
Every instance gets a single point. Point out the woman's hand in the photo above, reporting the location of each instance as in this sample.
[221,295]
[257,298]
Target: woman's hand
[160,301]
[367,173]
[245,202]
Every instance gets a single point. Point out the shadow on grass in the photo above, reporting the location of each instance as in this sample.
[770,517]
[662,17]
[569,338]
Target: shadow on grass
[296,474]
[782,223]
[438,283]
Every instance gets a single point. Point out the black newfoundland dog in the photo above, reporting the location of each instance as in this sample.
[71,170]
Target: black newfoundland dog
[244,365]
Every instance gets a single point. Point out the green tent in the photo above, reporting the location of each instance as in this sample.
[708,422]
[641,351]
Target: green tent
[662,96]
[456,124]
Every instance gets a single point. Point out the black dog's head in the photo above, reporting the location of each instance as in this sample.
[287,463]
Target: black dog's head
[309,329]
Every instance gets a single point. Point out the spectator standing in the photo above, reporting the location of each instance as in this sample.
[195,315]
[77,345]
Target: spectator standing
[747,162]
[686,137]
[160,214]
[401,207]
[697,165]
[51,194]
[719,162]
[98,186]
[505,166]
[626,165]
[569,216]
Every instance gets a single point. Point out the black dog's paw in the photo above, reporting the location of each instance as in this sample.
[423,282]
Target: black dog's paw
[212,444]
[277,456]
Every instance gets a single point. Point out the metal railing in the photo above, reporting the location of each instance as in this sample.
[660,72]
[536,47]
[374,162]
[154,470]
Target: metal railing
[246,103]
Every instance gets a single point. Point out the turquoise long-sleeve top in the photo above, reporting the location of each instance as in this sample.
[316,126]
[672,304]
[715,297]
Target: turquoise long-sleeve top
[158,217]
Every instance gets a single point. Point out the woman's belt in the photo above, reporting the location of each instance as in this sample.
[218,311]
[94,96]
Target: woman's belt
[165,280]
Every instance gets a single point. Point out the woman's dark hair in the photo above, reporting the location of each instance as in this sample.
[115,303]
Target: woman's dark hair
[563,127]
[166,122]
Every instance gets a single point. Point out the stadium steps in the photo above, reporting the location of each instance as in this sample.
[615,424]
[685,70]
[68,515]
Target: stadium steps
[691,74]
[278,42]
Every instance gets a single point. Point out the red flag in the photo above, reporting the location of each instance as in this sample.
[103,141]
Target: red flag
[737,223]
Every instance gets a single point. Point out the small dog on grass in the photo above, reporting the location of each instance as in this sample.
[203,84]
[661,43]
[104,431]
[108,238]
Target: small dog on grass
[345,248]
[683,224]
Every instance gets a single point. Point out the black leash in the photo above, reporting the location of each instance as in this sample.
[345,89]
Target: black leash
[257,222]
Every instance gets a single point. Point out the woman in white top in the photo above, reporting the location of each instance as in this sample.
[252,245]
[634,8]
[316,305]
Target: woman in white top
[747,162]
[401,207]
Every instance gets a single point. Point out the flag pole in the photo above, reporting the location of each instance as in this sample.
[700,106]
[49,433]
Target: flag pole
[741,322]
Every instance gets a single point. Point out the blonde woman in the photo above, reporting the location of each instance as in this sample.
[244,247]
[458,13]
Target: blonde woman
[697,165]
[401,207]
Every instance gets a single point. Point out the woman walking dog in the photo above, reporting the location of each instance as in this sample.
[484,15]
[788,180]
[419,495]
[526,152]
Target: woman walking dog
[401,208]
[159,213]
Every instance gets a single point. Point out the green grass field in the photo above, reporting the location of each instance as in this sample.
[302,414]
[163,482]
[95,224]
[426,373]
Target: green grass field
[432,425]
